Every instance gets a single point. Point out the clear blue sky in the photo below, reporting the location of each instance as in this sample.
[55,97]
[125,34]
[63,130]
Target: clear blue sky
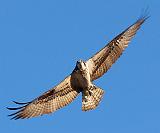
[40,42]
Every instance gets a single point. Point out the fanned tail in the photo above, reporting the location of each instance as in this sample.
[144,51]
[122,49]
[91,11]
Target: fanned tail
[91,98]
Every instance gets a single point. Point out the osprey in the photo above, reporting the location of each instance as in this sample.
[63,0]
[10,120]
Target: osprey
[80,80]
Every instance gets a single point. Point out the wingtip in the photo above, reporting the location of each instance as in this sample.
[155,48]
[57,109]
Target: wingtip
[15,108]
[15,118]
[17,115]
[20,102]
[145,14]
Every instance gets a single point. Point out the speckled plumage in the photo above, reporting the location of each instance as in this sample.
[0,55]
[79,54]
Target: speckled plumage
[80,80]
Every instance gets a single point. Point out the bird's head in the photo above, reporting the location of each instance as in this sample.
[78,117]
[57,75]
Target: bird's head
[81,65]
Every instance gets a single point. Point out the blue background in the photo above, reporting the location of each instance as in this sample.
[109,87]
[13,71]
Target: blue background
[40,42]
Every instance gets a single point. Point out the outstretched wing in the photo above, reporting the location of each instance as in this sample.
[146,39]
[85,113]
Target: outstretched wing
[103,60]
[54,99]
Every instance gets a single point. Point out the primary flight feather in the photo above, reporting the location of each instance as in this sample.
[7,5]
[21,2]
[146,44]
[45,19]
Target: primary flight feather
[80,80]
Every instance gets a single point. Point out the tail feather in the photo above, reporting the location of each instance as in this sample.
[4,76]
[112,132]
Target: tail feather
[91,98]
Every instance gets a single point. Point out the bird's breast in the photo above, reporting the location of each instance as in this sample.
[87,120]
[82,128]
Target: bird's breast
[83,78]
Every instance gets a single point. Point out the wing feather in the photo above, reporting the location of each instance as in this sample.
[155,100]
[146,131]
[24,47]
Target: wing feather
[103,60]
[52,100]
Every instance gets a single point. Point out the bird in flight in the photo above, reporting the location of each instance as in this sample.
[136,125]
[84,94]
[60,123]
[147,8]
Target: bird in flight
[80,80]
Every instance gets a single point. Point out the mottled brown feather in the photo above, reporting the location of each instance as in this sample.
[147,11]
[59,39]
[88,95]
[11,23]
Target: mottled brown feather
[103,60]
[91,100]
[69,88]
[52,100]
